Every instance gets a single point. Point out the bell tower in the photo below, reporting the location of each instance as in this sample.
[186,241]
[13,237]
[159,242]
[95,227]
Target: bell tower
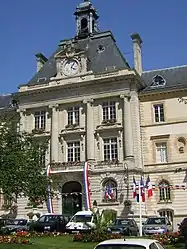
[86,19]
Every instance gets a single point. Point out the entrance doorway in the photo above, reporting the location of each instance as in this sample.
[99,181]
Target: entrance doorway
[71,198]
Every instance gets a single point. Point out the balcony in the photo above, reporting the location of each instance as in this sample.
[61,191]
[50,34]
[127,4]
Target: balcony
[109,165]
[67,167]
[40,132]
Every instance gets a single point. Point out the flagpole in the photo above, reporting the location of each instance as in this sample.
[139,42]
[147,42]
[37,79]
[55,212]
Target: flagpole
[140,208]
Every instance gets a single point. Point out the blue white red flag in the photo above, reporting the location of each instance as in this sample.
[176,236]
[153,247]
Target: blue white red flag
[149,187]
[142,189]
[109,193]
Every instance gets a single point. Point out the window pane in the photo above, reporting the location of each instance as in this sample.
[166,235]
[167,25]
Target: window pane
[159,113]
[161,152]
[76,114]
[43,120]
[70,116]
[105,113]
[110,149]
[40,120]
[74,151]
[109,110]
[112,105]
[164,191]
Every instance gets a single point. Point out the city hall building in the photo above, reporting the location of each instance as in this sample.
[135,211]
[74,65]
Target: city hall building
[123,121]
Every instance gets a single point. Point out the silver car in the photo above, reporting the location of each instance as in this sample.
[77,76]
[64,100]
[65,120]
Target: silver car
[157,225]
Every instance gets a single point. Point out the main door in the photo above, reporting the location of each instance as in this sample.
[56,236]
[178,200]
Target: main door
[71,198]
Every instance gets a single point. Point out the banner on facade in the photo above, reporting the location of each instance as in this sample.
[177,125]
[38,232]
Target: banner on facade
[49,199]
[87,187]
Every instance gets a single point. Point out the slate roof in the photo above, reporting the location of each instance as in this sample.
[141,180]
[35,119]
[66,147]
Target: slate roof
[175,78]
[5,101]
[97,62]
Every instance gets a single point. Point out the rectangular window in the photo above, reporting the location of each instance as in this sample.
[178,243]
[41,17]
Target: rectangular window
[73,115]
[109,110]
[159,113]
[110,149]
[40,120]
[73,151]
[161,152]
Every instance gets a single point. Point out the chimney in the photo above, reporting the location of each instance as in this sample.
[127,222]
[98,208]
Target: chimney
[40,59]
[137,47]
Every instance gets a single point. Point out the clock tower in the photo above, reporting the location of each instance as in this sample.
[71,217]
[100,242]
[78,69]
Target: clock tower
[86,19]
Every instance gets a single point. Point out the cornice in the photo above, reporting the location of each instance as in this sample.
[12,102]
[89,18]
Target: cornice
[77,82]
[162,93]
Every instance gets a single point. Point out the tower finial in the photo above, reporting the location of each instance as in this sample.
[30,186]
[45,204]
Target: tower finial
[86,18]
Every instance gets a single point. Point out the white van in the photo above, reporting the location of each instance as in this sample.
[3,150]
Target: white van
[82,221]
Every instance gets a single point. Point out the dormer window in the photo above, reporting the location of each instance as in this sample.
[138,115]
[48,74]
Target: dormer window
[157,81]
[100,49]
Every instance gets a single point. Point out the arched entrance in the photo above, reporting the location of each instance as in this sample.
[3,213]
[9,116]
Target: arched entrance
[71,198]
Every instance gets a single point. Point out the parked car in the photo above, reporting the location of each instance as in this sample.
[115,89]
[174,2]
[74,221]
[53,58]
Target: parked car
[183,227]
[157,225]
[51,223]
[14,225]
[129,244]
[82,221]
[124,226]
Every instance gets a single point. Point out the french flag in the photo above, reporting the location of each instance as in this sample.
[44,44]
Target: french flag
[134,188]
[149,187]
[142,189]
[109,193]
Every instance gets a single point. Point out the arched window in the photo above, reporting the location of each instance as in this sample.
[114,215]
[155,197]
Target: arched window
[164,191]
[109,191]
[84,24]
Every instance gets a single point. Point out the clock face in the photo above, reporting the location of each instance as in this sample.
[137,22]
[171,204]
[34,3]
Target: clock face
[71,67]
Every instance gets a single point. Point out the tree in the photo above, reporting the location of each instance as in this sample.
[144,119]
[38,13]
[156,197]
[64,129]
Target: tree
[22,170]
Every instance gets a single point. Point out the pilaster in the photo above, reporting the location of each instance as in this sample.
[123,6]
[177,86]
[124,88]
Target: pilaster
[54,133]
[90,143]
[127,126]
[22,113]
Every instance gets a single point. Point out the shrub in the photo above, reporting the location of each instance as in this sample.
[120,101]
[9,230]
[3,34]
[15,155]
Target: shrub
[168,238]
[94,236]
[109,216]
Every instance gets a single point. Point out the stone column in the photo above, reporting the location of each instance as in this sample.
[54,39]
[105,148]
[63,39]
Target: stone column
[54,133]
[90,145]
[127,126]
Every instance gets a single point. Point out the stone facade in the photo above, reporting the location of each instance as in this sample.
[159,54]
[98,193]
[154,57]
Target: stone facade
[172,132]
[121,121]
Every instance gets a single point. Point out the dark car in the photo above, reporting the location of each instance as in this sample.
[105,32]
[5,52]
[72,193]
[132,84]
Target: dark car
[14,225]
[51,223]
[124,226]
[183,227]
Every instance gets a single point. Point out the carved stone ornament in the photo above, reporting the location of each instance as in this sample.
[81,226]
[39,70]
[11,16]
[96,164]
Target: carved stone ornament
[70,49]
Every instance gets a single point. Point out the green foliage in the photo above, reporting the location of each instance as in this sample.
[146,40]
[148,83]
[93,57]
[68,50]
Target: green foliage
[109,215]
[21,170]
[104,219]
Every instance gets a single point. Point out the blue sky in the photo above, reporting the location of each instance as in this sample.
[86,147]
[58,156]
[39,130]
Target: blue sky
[29,27]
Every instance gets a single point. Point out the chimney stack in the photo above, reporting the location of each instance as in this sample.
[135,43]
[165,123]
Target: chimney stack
[137,47]
[40,60]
